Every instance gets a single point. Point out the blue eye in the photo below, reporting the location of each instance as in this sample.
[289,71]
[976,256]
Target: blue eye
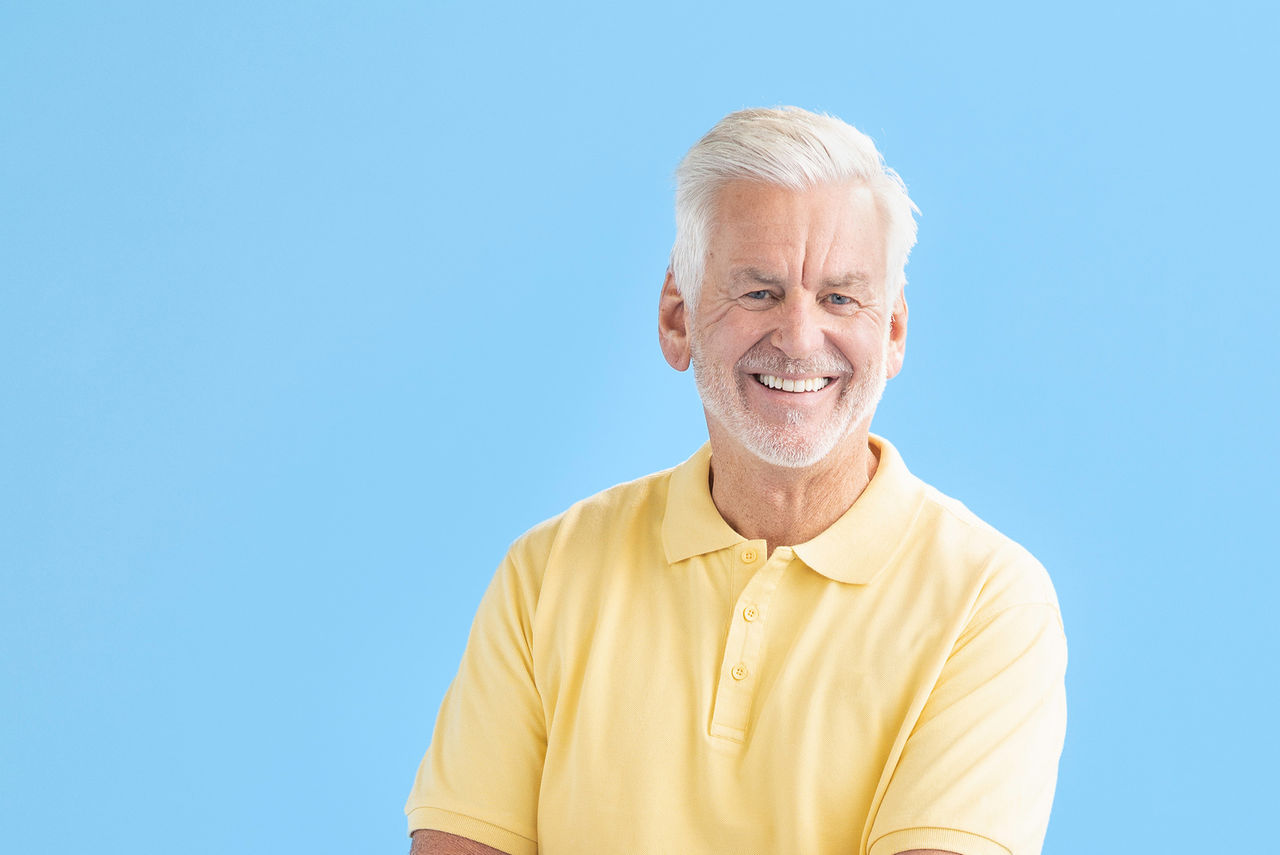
[840,299]
[757,295]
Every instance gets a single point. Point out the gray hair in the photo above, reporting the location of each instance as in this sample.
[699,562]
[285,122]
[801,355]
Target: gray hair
[787,147]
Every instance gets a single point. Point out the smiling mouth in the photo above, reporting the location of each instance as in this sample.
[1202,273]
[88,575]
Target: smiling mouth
[810,384]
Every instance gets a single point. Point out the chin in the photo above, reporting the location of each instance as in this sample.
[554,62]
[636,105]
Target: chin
[790,452]
[796,445]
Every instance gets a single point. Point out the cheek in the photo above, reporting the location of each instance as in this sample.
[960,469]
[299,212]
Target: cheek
[867,347]
[725,343]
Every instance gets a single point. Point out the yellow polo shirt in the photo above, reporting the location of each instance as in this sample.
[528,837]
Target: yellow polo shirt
[642,679]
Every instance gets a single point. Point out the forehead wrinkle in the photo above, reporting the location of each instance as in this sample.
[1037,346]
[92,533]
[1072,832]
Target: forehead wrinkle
[830,231]
[820,243]
[859,279]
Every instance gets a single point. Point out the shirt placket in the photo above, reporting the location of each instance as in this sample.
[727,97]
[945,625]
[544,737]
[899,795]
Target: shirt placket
[740,665]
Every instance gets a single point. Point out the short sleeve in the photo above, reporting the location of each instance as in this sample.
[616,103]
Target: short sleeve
[977,773]
[480,776]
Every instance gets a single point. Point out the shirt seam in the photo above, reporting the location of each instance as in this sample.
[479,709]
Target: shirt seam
[968,519]
[973,629]
[471,818]
[908,828]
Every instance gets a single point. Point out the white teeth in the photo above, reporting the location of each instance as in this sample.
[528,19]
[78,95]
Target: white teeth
[811,384]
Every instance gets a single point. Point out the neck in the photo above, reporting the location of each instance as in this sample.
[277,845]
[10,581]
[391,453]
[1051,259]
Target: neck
[785,506]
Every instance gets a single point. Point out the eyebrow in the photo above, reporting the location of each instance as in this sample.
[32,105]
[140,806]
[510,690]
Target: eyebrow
[756,274]
[855,279]
[849,280]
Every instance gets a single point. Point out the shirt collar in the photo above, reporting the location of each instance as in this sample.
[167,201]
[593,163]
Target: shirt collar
[692,524]
[854,549]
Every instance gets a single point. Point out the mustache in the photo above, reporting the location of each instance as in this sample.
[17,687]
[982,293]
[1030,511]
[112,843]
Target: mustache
[766,360]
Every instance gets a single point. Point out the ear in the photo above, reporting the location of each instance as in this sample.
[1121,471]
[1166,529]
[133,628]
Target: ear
[673,325]
[897,335]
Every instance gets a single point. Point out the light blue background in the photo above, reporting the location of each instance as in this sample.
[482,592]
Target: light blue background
[308,309]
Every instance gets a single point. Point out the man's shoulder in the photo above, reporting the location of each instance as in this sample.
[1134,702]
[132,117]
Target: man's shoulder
[952,517]
[637,506]
[1006,570]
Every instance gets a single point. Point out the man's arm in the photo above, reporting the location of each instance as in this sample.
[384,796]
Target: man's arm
[480,778]
[439,843]
[427,842]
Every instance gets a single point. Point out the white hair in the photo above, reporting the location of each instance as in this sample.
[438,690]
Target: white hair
[787,147]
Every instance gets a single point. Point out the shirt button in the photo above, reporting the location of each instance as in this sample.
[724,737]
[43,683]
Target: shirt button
[739,672]
[750,613]
[749,555]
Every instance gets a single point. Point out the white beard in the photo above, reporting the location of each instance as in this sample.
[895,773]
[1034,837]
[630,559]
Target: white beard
[802,440]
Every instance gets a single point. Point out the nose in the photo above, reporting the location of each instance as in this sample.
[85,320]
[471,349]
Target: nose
[799,330]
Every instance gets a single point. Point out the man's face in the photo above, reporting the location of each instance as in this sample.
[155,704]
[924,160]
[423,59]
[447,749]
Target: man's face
[792,342]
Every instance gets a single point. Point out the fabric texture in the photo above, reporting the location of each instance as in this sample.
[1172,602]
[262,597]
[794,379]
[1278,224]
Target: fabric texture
[642,679]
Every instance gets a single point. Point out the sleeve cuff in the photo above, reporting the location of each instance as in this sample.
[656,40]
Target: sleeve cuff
[946,839]
[478,830]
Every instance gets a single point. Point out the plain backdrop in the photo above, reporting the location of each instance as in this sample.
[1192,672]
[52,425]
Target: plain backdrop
[308,309]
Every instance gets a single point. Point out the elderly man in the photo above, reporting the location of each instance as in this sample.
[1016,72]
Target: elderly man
[787,643]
